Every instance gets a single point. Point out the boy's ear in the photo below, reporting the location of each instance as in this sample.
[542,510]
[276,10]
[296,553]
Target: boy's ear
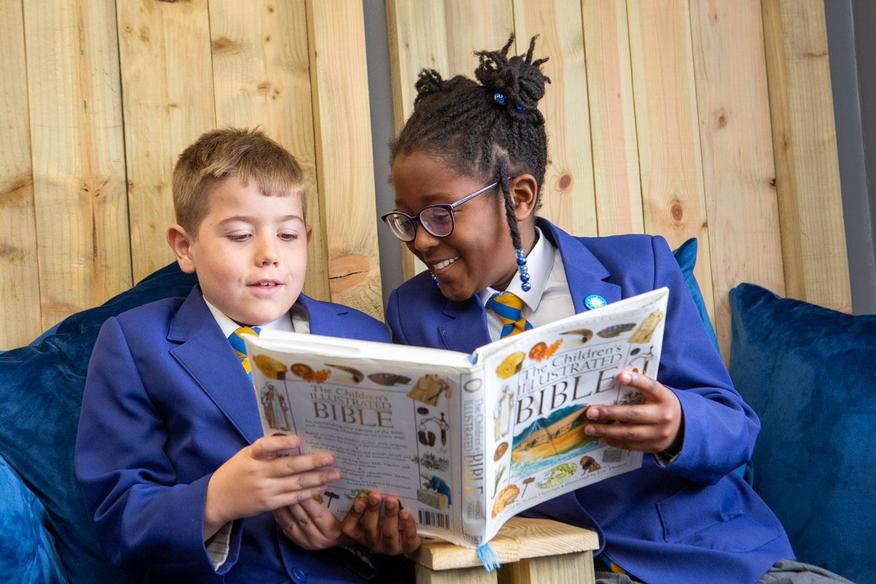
[524,193]
[181,244]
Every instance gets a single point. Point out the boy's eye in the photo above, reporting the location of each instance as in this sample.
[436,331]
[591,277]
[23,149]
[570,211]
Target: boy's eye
[238,237]
[286,236]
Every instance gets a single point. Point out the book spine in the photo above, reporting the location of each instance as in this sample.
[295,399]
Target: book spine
[474,496]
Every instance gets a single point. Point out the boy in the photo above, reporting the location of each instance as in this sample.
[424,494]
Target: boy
[169,453]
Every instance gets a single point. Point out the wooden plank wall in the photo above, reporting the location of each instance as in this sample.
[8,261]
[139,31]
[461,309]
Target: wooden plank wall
[662,119]
[706,118]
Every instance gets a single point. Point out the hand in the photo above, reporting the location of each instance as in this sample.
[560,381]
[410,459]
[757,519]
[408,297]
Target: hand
[396,534]
[652,426]
[309,525]
[260,478]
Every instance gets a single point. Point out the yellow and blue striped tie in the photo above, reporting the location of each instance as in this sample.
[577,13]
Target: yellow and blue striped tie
[240,347]
[509,307]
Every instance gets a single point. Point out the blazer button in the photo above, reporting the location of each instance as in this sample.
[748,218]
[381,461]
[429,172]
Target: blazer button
[299,576]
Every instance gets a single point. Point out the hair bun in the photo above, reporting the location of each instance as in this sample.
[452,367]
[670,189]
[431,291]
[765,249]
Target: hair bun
[519,79]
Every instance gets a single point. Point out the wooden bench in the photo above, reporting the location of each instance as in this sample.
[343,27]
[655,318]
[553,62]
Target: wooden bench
[530,551]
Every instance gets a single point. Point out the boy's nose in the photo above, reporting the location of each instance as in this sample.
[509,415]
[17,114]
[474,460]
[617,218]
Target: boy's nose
[267,254]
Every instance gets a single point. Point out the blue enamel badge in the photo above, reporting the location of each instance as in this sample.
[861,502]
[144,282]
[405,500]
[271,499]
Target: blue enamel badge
[594,301]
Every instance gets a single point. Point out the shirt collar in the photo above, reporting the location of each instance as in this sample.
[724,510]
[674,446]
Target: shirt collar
[540,262]
[228,326]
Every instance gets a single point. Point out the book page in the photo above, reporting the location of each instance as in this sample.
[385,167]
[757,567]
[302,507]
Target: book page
[394,426]
[539,385]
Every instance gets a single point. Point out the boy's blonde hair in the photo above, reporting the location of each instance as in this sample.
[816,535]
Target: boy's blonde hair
[217,155]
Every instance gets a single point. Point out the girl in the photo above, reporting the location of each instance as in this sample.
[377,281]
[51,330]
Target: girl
[468,169]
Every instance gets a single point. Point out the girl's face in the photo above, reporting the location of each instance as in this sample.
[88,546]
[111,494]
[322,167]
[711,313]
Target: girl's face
[479,252]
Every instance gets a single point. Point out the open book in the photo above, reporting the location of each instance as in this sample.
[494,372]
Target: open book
[464,441]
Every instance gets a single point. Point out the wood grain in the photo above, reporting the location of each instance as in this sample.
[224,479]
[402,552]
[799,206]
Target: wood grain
[261,76]
[668,129]
[804,141]
[612,117]
[168,98]
[78,154]
[344,161]
[568,198]
[19,276]
[739,175]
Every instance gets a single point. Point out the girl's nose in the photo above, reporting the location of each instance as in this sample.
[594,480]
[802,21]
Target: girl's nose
[423,240]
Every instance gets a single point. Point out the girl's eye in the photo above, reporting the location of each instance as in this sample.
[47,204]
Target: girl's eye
[238,237]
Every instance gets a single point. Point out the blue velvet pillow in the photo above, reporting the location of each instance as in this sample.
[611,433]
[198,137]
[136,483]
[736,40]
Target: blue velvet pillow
[810,374]
[686,256]
[27,551]
[41,390]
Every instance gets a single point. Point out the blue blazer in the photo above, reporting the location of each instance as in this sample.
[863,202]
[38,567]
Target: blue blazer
[691,521]
[166,403]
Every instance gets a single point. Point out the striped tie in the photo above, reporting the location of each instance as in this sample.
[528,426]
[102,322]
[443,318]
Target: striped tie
[509,306]
[240,348]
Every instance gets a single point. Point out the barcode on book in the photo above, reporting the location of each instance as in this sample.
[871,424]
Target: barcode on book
[432,519]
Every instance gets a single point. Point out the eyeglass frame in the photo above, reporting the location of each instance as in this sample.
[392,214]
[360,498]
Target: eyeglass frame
[415,219]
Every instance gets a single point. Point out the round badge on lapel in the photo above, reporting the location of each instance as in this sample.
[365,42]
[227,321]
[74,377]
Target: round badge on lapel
[594,301]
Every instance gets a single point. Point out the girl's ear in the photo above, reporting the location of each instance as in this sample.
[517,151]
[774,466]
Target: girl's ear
[181,244]
[524,193]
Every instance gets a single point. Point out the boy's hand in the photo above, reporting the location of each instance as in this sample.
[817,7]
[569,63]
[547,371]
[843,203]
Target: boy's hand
[396,534]
[260,478]
[309,525]
[652,426]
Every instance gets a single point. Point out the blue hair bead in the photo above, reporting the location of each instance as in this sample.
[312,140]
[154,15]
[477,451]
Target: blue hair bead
[519,108]
[521,261]
[524,277]
[500,98]
[526,286]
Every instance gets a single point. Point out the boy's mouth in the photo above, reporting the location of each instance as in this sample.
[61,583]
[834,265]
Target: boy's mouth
[265,284]
[442,265]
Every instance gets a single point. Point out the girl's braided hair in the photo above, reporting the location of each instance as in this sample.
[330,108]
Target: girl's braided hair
[490,127]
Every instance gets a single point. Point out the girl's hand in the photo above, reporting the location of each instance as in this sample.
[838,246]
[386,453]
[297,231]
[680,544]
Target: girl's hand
[396,534]
[652,426]
[309,525]
[262,477]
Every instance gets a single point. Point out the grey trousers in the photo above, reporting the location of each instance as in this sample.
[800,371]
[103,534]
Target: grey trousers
[783,572]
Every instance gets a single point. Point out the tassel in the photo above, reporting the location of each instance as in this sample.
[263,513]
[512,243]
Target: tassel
[488,557]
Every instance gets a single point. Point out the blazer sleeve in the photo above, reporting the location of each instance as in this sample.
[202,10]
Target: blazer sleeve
[719,428]
[393,320]
[145,519]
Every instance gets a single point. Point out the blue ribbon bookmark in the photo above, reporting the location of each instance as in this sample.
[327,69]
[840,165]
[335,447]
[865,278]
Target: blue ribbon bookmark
[488,557]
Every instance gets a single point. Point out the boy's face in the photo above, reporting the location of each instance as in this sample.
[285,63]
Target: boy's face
[250,252]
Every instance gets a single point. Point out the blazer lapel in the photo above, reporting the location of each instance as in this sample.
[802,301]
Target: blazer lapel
[465,327]
[207,356]
[584,272]
[322,317]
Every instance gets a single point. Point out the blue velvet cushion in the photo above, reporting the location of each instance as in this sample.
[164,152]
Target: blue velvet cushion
[27,551]
[810,374]
[41,390]
[686,256]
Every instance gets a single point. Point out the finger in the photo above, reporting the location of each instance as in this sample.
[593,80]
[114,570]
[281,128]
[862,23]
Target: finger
[637,414]
[350,525]
[293,497]
[623,432]
[304,481]
[290,465]
[650,388]
[270,446]
[408,528]
[390,538]
[370,520]
[322,519]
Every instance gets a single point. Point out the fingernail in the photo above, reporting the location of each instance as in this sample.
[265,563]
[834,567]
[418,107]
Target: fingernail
[328,459]
[590,430]
[626,377]
[358,506]
[592,413]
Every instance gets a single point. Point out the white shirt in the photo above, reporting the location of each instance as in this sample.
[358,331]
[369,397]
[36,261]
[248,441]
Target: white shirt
[548,299]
